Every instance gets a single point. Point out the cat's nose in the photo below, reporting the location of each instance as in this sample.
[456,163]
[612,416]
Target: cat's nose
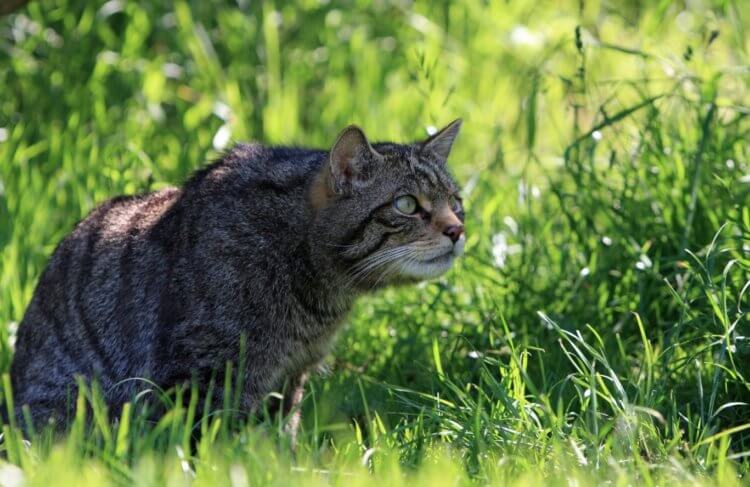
[454,232]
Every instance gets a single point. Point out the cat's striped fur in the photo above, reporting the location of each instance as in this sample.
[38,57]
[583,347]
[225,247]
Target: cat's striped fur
[272,244]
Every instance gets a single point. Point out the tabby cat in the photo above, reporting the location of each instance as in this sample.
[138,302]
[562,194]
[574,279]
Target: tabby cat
[265,249]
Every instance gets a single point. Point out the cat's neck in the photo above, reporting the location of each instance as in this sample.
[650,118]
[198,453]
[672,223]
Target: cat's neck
[318,284]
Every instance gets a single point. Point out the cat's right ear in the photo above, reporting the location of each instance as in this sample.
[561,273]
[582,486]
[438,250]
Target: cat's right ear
[350,160]
[440,144]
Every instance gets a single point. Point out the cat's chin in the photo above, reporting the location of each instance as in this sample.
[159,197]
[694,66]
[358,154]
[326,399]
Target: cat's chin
[427,269]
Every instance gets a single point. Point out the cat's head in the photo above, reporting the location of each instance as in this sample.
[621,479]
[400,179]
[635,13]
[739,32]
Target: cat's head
[389,213]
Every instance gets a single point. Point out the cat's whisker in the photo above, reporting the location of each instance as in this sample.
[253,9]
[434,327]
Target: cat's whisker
[389,270]
[366,273]
[379,257]
[367,266]
[399,265]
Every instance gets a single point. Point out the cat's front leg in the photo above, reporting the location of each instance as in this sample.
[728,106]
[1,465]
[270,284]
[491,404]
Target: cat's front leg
[291,409]
[293,390]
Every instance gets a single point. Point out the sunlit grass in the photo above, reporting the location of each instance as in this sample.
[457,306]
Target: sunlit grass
[595,331]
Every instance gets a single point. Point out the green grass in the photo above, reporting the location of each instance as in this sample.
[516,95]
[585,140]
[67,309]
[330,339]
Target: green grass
[597,329]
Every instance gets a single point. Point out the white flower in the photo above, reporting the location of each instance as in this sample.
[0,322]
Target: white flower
[501,249]
[524,190]
[522,36]
[172,70]
[11,475]
[508,220]
[222,110]
[222,136]
[643,263]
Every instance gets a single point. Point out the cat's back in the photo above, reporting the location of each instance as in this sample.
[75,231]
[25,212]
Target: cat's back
[85,312]
[140,264]
[252,168]
[254,197]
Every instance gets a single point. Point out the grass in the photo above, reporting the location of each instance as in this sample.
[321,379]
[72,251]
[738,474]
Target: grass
[597,329]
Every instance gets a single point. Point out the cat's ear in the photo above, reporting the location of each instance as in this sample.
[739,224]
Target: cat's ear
[439,144]
[351,158]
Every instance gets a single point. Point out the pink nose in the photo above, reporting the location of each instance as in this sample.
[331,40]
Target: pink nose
[454,232]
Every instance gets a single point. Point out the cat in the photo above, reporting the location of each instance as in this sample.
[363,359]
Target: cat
[265,249]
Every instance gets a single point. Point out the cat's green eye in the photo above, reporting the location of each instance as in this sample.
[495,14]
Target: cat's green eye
[455,203]
[406,204]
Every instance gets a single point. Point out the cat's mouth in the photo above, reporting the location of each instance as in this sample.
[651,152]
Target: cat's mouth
[428,268]
[439,259]
[408,263]
[432,266]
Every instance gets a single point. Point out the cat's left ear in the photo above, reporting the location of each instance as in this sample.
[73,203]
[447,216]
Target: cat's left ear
[439,144]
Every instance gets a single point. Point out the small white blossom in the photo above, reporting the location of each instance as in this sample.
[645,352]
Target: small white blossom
[420,22]
[11,475]
[110,8]
[12,333]
[524,190]
[643,263]
[222,136]
[172,70]
[685,21]
[501,250]
[238,476]
[155,111]
[333,18]
[108,57]
[276,18]
[522,36]
[511,223]
[222,110]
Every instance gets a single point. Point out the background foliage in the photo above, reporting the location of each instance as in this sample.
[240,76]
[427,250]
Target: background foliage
[597,328]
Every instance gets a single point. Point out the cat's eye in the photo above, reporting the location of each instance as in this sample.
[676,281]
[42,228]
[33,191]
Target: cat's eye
[406,204]
[455,203]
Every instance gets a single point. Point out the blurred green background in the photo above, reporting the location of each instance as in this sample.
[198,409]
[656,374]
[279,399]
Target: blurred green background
[596,330]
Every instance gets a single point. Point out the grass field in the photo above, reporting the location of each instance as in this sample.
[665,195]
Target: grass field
[597,329]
